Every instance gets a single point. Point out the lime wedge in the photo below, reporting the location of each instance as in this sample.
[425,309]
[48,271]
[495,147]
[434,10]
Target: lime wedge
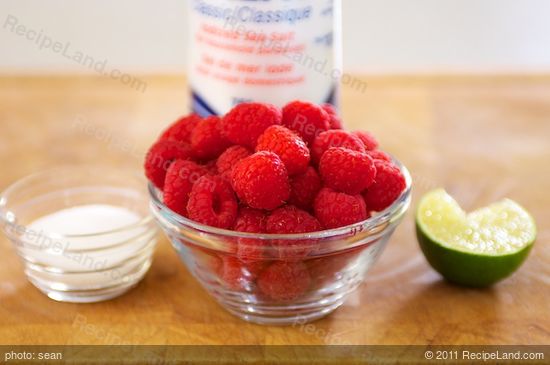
[474,249]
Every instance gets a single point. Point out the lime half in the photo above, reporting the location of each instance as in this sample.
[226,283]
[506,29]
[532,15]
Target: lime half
[477,248]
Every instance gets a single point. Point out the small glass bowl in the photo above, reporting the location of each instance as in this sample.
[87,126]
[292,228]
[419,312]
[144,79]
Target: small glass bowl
[86,267]
[320,269]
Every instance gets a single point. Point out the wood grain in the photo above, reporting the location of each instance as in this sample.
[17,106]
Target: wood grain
[482,138]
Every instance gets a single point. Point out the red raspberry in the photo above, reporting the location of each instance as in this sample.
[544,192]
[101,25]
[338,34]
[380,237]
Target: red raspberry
[304,188]
[159,158]
[250,220]
[212,202]
[206,261]
[229,158]
[306,119]
[336,210]
[326,270]
[379,155]
[261,181]
[181,129]
[335,138]
[247,121]
[368,140]
[389,184]
[335,120]
[347,171]
[287,145]
[289,220]
[237,275]
[283,281]
[180,177]
[211,167]
[207,140]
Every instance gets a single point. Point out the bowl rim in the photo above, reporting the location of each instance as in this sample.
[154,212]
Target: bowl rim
[398,207]
[71,169]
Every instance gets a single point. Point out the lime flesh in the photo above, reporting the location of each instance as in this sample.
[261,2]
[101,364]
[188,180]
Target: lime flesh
[477,248]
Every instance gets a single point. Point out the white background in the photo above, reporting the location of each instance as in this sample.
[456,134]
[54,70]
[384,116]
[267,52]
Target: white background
[380,36]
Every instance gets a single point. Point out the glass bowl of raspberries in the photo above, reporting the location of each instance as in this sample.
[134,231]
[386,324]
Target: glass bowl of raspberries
[278,213]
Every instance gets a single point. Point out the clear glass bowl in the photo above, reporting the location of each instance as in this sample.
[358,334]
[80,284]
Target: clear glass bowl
[80,267]
[317,271]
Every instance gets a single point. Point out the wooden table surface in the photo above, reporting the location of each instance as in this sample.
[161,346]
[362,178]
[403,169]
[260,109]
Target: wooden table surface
[482,138]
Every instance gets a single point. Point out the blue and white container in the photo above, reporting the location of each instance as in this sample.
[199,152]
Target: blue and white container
[263,50]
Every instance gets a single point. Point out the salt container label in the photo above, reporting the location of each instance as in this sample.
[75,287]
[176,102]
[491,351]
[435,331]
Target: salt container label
[270,51]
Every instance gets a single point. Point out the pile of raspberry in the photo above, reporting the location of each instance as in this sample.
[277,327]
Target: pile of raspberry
[262,169]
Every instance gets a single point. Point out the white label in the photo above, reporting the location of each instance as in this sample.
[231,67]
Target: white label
[266,50]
